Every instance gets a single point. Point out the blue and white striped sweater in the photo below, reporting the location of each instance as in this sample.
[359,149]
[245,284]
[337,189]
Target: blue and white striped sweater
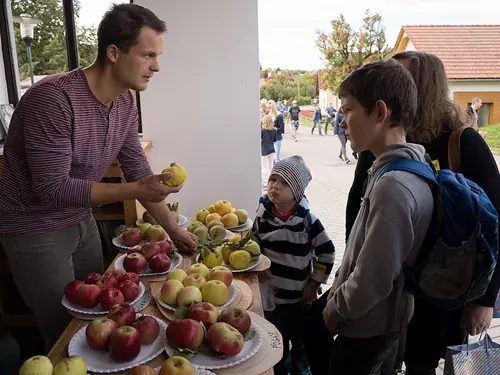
[291,247]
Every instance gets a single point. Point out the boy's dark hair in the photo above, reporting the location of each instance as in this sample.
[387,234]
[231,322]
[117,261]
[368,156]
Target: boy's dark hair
[388,81]
[121,26]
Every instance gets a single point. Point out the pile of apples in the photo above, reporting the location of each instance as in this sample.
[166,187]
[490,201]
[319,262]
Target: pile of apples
[197,285]
[223,213]
[41,365]
[132,236]
[156,255]
[175,365]
[114,287]
[122,333]
[225,332]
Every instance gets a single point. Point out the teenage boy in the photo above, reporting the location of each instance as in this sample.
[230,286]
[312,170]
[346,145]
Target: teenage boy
[369,307]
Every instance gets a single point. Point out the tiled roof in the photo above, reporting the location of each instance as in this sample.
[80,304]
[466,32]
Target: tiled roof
[467,51]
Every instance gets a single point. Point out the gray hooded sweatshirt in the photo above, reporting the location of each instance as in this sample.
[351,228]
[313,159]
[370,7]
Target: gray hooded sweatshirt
[395,214]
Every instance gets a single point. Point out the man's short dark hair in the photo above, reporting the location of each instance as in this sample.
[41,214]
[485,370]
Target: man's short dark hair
[121,26]
[388,81]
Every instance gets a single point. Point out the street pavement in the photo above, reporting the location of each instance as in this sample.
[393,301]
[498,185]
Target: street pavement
[328,190]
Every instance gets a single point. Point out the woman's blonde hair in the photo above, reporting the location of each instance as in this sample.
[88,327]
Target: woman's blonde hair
[271,106]
[268,122]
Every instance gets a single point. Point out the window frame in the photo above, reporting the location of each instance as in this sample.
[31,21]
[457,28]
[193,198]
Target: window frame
[9,60]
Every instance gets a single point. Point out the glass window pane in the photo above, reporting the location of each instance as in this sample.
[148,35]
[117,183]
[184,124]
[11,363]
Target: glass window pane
[48,46]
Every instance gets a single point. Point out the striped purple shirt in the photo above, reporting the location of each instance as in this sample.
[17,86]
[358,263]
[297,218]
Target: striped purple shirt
[61,138]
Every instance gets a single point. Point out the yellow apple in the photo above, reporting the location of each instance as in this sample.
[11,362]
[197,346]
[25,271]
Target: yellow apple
[213,258]
[215,292]
[223,207]
[170,290]
[189,295]
[177,274]
[239,259]
[178,175]
[37,365]
[177,365]
[230,220]
[226,250]
[211,209]
[214,216]
[73,365]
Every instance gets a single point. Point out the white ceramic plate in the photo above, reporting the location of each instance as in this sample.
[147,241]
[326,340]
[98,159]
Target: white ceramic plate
[98,310]
[242,227]
[183,220]
[199,371]
[101,361]
[117,241]
[233,292]
[140,305]
[253,263]
[250,348]
[176,261]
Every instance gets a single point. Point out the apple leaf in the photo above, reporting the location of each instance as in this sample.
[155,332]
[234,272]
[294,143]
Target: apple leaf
[186,353]
[205,349]
[120,229]
[248,237]
[250,334]
[181,313]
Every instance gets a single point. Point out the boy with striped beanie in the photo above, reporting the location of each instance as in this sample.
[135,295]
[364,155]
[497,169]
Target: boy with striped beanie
[301,254]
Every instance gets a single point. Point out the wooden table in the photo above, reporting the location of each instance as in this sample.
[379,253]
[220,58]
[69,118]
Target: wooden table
[60,349]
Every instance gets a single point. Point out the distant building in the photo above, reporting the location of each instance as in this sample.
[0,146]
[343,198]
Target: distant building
[471,57]
[325,95]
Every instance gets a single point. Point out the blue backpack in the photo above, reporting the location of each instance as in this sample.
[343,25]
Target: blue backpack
[460,251]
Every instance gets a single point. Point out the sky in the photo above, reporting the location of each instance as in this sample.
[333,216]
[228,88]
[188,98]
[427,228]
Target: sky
[287,28]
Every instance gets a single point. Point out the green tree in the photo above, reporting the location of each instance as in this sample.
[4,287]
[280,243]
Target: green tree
[49,44]
[282,88]
[343,49]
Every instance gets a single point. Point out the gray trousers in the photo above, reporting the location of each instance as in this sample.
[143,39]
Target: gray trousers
[343,143]
[42,265]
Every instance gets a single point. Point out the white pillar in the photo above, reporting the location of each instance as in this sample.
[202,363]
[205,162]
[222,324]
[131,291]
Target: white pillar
[202,109]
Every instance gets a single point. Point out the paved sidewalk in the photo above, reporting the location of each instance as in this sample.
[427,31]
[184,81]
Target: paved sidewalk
[328,190]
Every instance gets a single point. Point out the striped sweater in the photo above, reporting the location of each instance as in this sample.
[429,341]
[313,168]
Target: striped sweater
[291,247]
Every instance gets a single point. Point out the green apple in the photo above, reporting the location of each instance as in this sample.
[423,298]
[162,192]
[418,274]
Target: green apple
[198,268]
[177,274]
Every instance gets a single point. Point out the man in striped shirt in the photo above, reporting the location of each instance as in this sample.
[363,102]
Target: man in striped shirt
[300,251]
[64,135]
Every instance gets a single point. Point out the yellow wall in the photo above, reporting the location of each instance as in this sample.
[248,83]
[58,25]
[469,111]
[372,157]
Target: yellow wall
[493,98]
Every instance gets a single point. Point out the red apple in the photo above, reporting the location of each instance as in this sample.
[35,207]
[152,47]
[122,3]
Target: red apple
[71,289]
[88,295]
[224,339]
[92,278]
[166,248]
[159,263]
[131,237]
[195,279]
[135,249]
[148,327]
[115,273]
[142,370]
[98,333]
[129,289]
[132,276]
[135,262]
[125,344]
[123,315]
[111,297]
[204,312]
[237,318]
[150,249]
[110,282]
[221,273]
[177,365]
[184,334]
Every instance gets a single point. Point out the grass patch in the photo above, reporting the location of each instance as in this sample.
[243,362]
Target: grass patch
[306,122]
[493,137]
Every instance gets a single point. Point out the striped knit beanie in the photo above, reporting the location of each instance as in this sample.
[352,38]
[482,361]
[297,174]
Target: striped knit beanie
[296,174]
